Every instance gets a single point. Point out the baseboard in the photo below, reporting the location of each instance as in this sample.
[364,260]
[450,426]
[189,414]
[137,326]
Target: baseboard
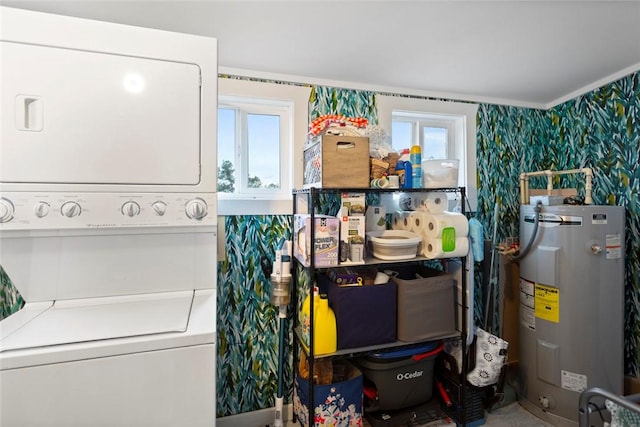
[259,418]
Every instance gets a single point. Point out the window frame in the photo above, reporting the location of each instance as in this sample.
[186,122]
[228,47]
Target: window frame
[244,107]
[421,121]
[462,115]
[274,96]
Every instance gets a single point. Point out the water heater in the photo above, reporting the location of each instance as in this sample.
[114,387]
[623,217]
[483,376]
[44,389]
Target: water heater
[571,307]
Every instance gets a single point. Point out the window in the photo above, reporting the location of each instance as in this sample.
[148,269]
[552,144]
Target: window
[261,129]
[444,130]
[249,150]
[435,134]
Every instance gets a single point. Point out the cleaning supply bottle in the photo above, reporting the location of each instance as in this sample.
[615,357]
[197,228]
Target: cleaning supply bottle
[408,174]
[416,166]
[325,333]
[405,154]
[403,169]
[305,315]
[325,337]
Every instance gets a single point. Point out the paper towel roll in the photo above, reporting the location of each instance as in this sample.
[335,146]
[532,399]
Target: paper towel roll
[434,223]
[397,220]
[432,248]
[418,221]
[407,220]
[436,202]
[405,202]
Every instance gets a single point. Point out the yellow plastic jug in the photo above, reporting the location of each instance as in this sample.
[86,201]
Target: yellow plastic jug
[325,337]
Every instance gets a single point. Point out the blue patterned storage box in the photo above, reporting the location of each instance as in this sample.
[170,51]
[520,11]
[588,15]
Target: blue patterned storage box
[337,404]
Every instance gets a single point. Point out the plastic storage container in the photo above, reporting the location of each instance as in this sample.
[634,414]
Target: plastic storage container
[426,304]
[440,173]
[401,378]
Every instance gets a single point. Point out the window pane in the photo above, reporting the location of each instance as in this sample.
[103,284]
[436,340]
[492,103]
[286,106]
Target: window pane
[435,143]
[226,149]
[401,135]
[264,151]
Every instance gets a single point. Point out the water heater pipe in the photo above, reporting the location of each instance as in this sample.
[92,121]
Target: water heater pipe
[524,183]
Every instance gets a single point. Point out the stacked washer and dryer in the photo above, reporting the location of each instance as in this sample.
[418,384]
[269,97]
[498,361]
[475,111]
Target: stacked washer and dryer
[107,223]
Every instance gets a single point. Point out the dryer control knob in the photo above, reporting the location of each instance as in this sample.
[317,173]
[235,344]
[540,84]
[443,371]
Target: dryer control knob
[6,210]
[196,209]
[159,208]
[41,209]
[70,209]
[130,209]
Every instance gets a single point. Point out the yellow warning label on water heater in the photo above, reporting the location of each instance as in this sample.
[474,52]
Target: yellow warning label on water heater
[547,303]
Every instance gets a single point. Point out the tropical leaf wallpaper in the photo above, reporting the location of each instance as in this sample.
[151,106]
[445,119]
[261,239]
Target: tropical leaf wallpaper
[600,129]
[10,299]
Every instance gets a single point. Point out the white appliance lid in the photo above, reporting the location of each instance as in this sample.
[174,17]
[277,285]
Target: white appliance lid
[94,319]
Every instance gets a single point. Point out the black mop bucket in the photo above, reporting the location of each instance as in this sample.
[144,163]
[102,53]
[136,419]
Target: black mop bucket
[400,378]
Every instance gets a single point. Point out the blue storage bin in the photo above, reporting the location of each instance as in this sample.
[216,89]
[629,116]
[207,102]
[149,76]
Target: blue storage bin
[365,315]
[335,404]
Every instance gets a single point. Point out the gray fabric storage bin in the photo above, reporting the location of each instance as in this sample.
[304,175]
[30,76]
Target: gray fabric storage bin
[426,305]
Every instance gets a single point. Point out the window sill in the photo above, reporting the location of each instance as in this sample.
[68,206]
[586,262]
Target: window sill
[248,205]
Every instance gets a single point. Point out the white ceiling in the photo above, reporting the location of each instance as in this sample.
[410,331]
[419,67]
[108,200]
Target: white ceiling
[523,53]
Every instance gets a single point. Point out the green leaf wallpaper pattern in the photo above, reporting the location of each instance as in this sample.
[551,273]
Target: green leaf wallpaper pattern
[600,130]
[10,299]
[247,323]
[347,102]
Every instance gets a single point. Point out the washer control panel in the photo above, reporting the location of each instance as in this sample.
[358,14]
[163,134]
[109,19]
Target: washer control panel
[41,211]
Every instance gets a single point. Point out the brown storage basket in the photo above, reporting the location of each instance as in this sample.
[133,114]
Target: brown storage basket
[384,166]
[332,161]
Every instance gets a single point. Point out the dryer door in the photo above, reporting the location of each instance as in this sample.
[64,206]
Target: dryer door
[81,117]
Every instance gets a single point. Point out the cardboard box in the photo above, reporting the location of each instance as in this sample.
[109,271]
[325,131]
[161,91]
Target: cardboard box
[352,240]
[631,385]
[352,228]
[326,237]
[353,204]
[332,161]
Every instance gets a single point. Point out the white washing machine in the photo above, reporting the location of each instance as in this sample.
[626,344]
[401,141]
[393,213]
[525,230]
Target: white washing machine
[107,223]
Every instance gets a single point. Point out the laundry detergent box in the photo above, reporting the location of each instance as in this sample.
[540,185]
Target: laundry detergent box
[352,228]
[353,204]
[326,236]
[352,239]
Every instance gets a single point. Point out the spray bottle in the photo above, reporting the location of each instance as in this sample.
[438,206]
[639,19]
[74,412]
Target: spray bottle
[416,166]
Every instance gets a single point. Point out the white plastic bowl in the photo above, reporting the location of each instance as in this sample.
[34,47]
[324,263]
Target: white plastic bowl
[393,244]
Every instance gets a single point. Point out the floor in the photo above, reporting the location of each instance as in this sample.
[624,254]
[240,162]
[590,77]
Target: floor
[512,415]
